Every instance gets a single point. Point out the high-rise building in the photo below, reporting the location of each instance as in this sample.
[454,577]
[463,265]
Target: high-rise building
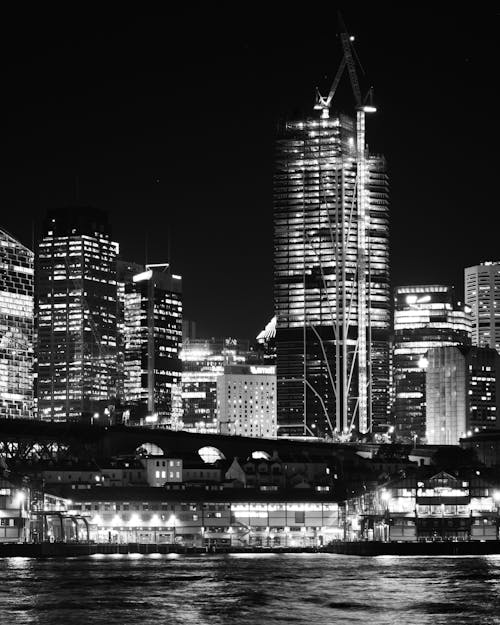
[462,392]
[424,317]
[125,271]
[482,295]
[266,343]
[76,315]
[16,328]
[246,401]
[331,278]
[203,362]
[153,339]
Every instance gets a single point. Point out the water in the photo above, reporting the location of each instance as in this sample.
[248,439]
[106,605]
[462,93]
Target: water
[313,589]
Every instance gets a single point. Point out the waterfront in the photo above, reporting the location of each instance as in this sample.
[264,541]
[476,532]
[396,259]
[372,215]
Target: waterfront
[250,588]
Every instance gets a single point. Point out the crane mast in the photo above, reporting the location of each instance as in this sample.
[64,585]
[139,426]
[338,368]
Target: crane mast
[363,349]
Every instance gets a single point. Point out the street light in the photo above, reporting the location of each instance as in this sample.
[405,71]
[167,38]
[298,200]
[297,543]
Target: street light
[386,497]
[19,500]
[171,523]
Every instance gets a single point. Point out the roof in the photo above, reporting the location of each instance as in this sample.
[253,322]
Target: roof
[229,495]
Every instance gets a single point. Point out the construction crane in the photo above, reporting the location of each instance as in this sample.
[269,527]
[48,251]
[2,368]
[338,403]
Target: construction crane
[362,350]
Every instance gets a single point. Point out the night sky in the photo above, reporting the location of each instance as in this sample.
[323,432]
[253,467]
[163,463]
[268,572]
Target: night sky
[168,119]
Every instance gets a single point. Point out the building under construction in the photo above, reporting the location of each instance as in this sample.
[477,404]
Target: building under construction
[331,271]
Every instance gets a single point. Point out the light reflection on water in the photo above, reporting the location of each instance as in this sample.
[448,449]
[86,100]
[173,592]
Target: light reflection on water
[313,589]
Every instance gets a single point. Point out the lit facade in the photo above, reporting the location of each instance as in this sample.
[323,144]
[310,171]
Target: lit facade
[266,343]
[440,507]
[462,391]
[76,310]
[324,243]
[16,329]
[14,512]
[424,317]
[153,338]
[246,401]
[482,295]
[203,362]
[125,271]
[199,518]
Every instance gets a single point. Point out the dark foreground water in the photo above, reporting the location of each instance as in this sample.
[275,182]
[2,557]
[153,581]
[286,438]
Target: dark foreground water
[313,589]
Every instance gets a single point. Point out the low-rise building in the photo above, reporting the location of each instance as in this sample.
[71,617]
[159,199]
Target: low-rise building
[14,512]
[440,507]
[209,516]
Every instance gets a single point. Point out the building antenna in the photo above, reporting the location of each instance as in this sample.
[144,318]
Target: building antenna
[77,189]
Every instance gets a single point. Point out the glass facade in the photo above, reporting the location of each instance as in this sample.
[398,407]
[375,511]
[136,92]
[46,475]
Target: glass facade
[203,362]
[76,315]
[16,329]
[462,387]
[424,317]
[153,337]
[322,244]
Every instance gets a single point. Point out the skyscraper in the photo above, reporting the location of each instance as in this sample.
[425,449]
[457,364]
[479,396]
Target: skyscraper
[16,328]
[482,295]
[462,392]
[203,362]
[125,271]
[424,317]
[331,277]
[76,305]
[153,339]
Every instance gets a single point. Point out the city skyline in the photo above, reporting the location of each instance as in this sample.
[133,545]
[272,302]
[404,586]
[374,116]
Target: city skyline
[212,109]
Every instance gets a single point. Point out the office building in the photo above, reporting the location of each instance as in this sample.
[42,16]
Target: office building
[203,362]
[424,317]
[482,295]
[246,401]
[153,339]
[125,271]
[16,329]
[76,315]
[462,391]
[265,343]
[331,278]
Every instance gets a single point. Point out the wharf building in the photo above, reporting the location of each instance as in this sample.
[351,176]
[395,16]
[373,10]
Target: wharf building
[15,507]
[246,401]
[209,516]
[152,325]
[462,392]
[439,507]
[482,295]
[203,362]
[16,329]
[331,278]
[76,301]
[425,316]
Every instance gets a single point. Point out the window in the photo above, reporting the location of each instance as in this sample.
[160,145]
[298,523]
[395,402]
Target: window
[300,517]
